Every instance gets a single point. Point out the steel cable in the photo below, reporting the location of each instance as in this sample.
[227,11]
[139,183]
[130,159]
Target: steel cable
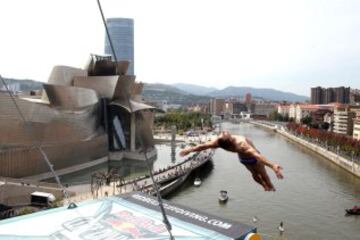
[41,150]
[156,187]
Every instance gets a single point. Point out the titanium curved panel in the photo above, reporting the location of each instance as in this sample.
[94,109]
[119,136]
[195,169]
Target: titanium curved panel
[134,106]
[30,110]
[104,86]
[17,134]
[137,88]
[143,131]
[135,91]
[22,162]
[39,112]
[63,75]
[70,97]
[47,124]
[123,66]
[124,86]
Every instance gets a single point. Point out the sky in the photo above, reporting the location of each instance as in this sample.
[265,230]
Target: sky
[282,44]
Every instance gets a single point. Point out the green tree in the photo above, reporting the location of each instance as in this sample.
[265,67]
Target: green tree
[183,120]
[307,120]
[286,118]
[324,125]
[275,116]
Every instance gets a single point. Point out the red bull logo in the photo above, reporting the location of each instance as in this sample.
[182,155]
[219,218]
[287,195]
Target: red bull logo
[137,227]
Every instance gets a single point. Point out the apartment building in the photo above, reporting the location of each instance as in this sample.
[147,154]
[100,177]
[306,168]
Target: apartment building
[283,109]
[356,128]
[343,120]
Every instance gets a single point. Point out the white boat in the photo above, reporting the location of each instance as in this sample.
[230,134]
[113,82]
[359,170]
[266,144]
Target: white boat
[197,182]
[223,196]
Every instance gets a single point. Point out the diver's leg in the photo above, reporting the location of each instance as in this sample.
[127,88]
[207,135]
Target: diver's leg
[261,171]
[256,176]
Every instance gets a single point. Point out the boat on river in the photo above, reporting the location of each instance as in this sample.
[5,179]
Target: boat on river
[353,211]
[171,186]
[223,198]
[197,182]
[174,181]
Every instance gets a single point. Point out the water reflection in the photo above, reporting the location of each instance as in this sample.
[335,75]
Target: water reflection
[167,156]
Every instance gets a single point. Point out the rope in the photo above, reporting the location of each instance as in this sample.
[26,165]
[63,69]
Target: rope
[50,165]
[165,218]
[107,30]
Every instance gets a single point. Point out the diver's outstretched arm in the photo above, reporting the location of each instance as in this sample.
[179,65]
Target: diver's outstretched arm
[200,147]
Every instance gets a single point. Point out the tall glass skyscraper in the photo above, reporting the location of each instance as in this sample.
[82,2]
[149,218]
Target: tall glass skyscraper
[122,35]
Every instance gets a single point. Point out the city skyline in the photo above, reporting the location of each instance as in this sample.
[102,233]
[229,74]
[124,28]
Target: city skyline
[284,45]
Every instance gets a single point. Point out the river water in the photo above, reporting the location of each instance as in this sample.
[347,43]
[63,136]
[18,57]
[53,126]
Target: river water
[310,200]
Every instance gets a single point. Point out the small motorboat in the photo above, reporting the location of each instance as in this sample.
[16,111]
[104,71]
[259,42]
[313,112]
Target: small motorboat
[223,196]
[197,182]
[353,211]
[281,228]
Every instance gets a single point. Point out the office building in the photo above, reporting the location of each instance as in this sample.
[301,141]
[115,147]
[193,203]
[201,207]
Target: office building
[122,35]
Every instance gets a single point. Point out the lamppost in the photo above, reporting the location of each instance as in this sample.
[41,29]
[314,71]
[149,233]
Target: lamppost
[173,144]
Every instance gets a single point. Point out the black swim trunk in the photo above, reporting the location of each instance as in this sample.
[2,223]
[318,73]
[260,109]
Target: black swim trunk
[248,160]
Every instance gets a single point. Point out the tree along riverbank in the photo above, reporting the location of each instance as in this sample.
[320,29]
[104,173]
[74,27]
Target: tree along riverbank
[351,166]
[184,121]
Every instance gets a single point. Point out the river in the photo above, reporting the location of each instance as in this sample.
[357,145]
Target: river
[310,200]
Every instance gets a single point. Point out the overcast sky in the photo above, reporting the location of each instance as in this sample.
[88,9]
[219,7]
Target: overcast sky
[286,45]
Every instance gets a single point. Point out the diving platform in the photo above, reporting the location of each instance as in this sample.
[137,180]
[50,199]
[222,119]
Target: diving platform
[130,216]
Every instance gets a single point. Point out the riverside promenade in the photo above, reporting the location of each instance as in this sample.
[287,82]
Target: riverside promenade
[166,138]
[350,166]
[144,183]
